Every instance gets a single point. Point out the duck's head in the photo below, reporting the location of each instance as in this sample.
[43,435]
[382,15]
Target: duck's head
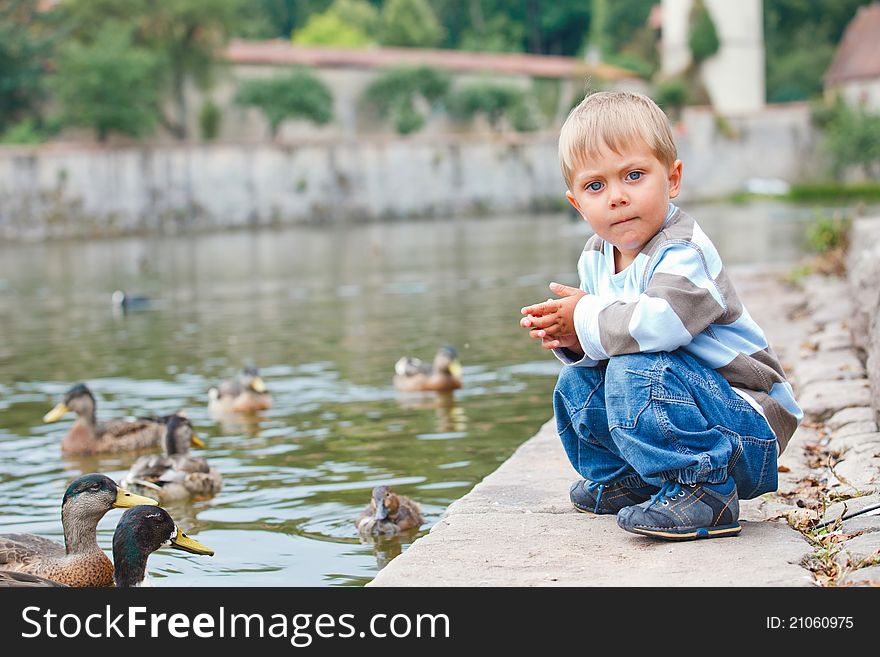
[446,361]
[118,298]
[251,379]
[179,435]
[93,495]
[78,399]
[384,503]
[141,531]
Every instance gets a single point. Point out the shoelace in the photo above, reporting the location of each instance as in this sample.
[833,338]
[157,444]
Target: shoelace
[601,488]
[668,490]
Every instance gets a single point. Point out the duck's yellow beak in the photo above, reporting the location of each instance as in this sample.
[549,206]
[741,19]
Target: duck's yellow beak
[125,500]
[187,544]
[258,385]
[56,413]
[196,441]
[455,369]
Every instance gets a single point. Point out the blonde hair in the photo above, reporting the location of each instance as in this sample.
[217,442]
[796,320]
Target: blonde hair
[613,119]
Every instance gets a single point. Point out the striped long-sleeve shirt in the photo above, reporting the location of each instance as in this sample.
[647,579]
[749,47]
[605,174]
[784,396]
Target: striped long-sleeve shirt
[676,295]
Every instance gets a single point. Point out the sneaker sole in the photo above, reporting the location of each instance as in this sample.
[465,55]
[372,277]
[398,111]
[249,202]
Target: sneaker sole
[691,534]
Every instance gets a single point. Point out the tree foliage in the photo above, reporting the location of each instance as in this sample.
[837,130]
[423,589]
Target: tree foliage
[109,85]
[299,95]
[395,93]
[852,138]
[702,36]
[185,34]
[410,23]
[495,102]
[346,23]
[25,47]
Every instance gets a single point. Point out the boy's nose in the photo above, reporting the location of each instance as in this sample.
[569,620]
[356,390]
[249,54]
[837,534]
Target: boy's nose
[616,200]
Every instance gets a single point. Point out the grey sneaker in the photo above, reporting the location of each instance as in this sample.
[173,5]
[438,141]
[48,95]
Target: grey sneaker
[590,497]
[680,512]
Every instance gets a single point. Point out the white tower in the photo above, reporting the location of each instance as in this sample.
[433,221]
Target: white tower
[734,76]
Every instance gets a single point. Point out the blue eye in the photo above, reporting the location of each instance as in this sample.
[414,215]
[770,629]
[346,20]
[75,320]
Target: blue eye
[634,175]
[594,186]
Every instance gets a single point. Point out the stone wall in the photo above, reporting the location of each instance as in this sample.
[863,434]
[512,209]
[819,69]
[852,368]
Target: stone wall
[58,190]
[863,274]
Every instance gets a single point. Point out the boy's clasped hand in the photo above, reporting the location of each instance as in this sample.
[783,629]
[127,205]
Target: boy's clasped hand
[552,321]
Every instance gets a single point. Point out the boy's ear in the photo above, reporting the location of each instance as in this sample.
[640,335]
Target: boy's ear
[573,201]
[675,179]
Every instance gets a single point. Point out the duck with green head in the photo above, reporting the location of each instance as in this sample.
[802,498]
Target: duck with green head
[443,375]
[176,474]
[141,531]
[88,436]
[246,393]
[79,562]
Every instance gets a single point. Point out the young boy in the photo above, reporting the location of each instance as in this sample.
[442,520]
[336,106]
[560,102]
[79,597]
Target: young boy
[671,404]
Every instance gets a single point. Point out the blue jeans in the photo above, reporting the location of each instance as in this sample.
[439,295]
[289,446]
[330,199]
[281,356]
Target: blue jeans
[647,418]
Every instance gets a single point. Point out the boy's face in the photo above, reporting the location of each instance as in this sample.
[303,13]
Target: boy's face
[625,196]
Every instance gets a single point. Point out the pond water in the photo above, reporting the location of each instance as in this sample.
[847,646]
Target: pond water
[325,313]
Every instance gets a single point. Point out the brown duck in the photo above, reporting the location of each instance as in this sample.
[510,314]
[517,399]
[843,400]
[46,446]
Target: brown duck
[444,374]
[88,436]
[389,513]
[246,393]
[79,562]
[176,474]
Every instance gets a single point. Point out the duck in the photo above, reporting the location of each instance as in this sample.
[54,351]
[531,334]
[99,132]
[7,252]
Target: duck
[88,436]
[246,393]
[444,374]
[389,513]
[10,578]
[141,531]
[126,302]
[176,474]
[79,562]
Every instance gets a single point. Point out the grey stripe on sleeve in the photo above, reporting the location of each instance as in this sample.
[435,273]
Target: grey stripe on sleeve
[734,305]
[760,371]
[614,329]
[694,305]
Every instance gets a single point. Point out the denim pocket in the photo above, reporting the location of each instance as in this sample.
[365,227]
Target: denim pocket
[755,470]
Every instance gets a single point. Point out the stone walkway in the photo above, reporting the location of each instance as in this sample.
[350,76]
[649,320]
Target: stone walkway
[517,527]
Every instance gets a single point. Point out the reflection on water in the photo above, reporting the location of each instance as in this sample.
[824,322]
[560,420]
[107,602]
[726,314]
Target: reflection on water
[324,313]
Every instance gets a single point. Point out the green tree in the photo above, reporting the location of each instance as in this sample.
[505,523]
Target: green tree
[330,30]
[299,95]
[109,85]
[395,93]
[410,23]
[702,36]
[852,137]
[800,37]
[495,101]
[186,34]
[25,47]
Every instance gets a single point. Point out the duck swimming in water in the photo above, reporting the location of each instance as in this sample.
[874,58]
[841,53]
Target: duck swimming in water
[79,562]
[141,531]
[246,393]
[176,474]
[88,436]
[444,374]
[389,513]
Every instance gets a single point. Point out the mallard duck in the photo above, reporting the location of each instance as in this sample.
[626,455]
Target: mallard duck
[389,513]
[79,562]
[246,393]
[176,474]
[88,436]
[443,374]
[141,531]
